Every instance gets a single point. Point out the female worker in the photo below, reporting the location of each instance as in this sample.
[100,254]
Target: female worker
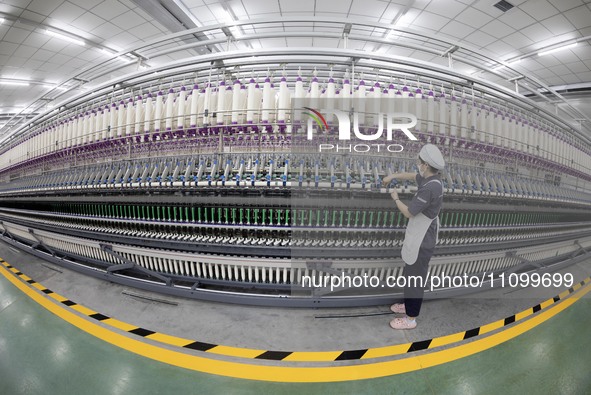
[421,232]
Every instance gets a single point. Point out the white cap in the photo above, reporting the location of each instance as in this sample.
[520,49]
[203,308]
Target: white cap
[432,156]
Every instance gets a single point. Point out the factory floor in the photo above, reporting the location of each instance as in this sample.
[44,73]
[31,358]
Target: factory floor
[65,333]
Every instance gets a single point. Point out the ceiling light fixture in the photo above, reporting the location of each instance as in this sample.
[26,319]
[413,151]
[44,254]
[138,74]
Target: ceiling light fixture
[15,83]
[2,20]
[404,19]
[557,49]
[65,38]
[187,12]
[227,17]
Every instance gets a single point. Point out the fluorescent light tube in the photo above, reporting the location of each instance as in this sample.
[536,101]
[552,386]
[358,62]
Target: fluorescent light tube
[16,83]
[187,12]
[557,49]
[65,38]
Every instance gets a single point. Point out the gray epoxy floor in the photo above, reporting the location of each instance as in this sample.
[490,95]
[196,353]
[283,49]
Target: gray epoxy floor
[40,353]
[278,328]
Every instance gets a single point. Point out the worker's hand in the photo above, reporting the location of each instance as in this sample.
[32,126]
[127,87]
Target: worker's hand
[394,194]
[387,180]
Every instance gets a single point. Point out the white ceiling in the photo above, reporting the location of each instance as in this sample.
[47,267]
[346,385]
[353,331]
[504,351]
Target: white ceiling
[27,53]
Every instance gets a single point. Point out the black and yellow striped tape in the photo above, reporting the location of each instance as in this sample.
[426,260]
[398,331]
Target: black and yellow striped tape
[299,356]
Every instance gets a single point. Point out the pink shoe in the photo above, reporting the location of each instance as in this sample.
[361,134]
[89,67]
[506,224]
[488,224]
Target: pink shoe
[398,308]
[403,323]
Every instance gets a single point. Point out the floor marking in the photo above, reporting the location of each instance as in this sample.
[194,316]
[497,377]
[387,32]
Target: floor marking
[249,370]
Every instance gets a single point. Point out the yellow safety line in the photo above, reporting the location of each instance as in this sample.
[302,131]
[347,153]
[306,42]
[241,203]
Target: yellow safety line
[290,373]
[300,356]
[124,326]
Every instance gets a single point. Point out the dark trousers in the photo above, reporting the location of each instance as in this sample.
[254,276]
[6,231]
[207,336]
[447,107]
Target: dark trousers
[413,295]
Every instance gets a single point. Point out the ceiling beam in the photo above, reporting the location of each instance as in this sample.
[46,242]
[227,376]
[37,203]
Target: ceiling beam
[176,20]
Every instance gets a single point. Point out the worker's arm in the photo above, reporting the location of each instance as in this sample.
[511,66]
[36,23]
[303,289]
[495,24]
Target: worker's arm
[401,206]
[399,176]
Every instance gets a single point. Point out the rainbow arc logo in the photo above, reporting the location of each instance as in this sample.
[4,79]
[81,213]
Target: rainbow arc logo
[316,116]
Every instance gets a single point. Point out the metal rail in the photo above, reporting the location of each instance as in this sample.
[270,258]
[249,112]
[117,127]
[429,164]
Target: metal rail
[437,46]
[267,294]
